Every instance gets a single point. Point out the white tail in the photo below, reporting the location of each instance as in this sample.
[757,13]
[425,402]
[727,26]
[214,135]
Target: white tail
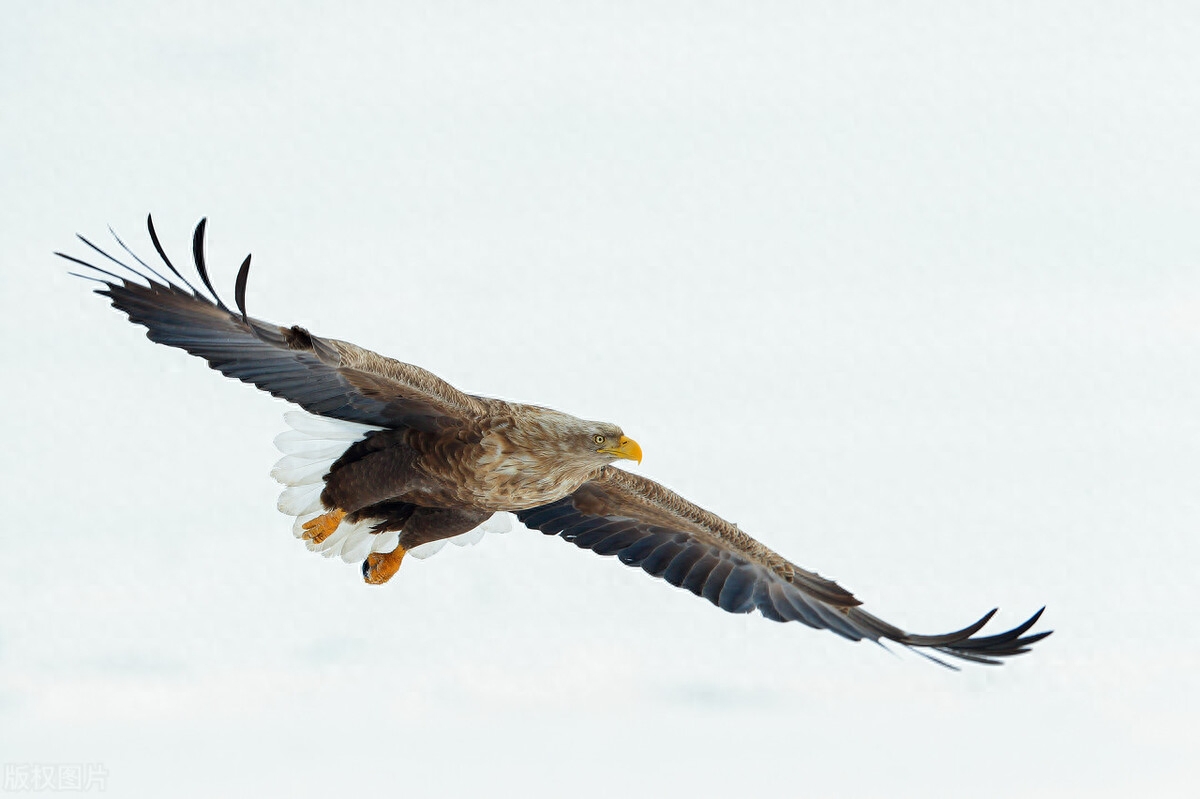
[310,448]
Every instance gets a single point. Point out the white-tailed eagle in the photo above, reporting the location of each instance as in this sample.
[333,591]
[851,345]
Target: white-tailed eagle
[401,461]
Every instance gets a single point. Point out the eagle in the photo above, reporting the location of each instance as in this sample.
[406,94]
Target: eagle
[387,459]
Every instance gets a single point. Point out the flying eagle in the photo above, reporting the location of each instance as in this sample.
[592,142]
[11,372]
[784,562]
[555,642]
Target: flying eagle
[390,459]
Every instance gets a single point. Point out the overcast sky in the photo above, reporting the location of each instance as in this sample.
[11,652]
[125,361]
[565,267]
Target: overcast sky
[909,291]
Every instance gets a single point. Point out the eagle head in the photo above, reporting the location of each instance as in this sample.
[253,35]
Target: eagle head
[582,443]
[609,442]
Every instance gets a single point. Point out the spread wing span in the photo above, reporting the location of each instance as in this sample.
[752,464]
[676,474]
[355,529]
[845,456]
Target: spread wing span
[645,524]
[324,376]
[613,512]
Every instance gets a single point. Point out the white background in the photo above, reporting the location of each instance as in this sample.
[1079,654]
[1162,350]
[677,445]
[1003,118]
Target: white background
[910,291]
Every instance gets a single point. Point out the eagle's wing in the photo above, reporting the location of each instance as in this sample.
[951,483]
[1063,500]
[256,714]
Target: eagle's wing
[324,376]
[645,524]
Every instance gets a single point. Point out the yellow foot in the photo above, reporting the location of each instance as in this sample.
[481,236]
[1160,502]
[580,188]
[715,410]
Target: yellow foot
[379,567]
[320,528]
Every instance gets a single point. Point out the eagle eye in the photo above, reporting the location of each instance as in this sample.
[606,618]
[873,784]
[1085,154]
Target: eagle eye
[599,439]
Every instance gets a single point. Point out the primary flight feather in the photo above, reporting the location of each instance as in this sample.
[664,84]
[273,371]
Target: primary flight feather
[400,462]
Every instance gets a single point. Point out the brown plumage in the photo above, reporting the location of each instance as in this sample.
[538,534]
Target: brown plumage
[425,462]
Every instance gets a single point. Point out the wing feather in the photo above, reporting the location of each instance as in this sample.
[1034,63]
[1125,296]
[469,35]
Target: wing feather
[324,376]
[648,526]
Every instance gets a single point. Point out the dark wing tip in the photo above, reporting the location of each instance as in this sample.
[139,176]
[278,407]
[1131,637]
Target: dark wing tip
[950,638]
[163,254]
[82,262]
[201,266]
[239,288]
[986,649]
[92,278]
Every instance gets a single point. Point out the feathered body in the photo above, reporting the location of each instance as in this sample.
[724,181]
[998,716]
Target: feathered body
[513,457]
[403,462]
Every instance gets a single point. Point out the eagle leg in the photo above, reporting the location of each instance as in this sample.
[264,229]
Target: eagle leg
[379,567]
[320,528]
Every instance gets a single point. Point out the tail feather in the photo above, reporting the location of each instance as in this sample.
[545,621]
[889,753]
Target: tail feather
[300,500]
[326,429]
[295,470]
[293,442]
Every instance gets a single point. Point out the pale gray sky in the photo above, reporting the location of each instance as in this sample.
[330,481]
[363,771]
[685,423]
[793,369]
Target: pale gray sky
[909,291]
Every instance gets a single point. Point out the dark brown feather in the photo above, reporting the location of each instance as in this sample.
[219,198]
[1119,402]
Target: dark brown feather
[323,376]
[646,525]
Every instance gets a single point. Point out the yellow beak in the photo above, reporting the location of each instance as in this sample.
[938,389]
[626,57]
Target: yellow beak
[625,448]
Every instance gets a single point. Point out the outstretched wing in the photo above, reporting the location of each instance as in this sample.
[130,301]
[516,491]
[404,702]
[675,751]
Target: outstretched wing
[324,376]
[645,524]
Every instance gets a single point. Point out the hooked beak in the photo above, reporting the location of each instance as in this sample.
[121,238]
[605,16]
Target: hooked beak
[626,448]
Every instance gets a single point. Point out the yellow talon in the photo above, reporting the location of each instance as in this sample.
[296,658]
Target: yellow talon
[379,567]
[320,528]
